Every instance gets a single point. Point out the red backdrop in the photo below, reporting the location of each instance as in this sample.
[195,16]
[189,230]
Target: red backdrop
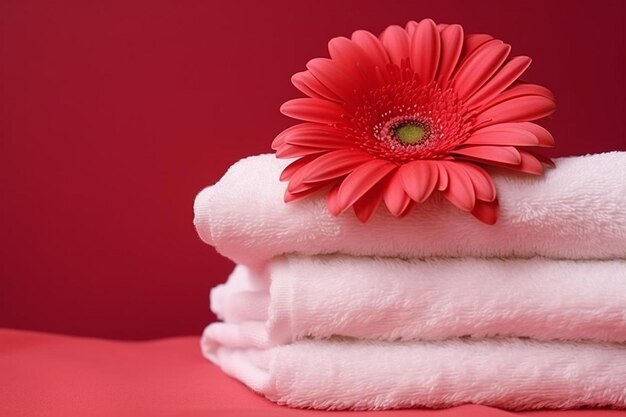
[115,114]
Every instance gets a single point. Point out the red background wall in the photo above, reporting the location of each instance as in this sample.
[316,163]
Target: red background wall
[115,114]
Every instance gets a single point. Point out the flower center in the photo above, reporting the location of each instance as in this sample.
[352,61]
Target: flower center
[405,131]
[405,120]
[410,133]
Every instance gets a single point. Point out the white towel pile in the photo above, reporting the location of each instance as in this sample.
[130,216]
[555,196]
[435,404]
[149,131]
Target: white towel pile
[435,309]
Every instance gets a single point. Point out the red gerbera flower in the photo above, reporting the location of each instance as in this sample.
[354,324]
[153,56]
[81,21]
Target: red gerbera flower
[417,110]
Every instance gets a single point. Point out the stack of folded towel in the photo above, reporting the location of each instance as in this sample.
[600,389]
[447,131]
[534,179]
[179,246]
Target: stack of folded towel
[435,309]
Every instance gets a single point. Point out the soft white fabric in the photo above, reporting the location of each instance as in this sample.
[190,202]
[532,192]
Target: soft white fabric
[391,299]
[564,237]
[577,210]
[511,373]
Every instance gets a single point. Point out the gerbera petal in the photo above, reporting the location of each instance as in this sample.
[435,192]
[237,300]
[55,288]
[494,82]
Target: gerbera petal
[544,137]
[442,183]
[352,57]
[311,86]
[517,90]
[309,127]
[332,201]
[419,179]
[410,27]
[507,75]
[372,45]
[288,197]
[460,189]
[323,139]
[361,180]
[320,142]
[313,110]
[451,46]
[299,81]
[503,134]
[396,199]
[473,42]
[502,154]
[296,187]
[529,164]
[306,129]
[518,109]
[486,211]
[295,166]
[396,42]
[479,67]
[280,138]
[334,164]
[408,208]
[333,76]
[484,187]
[365,206]
[425,50]
[545,161]
[291,151]
[393,73]
[327,167]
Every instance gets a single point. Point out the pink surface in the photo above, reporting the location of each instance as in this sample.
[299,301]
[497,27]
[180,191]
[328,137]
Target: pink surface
[113,115]
[50,375]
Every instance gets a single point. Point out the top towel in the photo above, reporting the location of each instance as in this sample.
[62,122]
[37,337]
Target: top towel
[575,211]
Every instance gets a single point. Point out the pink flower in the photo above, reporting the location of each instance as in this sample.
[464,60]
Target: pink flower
[416,110]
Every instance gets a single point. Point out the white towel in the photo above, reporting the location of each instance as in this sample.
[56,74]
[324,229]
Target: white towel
[435,299]
[575,211]
[351,374]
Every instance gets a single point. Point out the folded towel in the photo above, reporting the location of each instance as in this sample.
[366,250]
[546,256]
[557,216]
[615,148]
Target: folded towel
[390,299]
[574,211]
[351,374]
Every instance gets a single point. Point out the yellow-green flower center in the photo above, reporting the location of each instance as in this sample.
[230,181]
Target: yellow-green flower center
[410,133]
